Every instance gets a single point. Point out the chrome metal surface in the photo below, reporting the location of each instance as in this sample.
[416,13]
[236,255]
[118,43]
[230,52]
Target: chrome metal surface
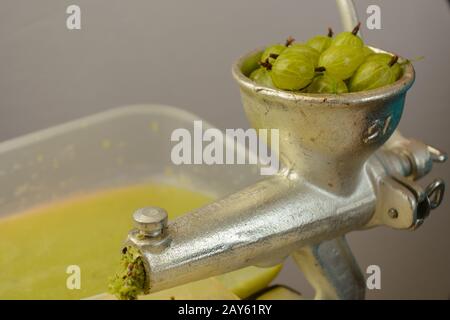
[260,225]
[347,11]
[332,270]
[150,221]
[341,171]
[150,229]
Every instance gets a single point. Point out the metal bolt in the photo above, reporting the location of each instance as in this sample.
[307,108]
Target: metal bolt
[437,155]
[150,221]
[393,213]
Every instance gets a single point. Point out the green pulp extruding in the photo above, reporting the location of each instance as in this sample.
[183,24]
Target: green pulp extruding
[129,282]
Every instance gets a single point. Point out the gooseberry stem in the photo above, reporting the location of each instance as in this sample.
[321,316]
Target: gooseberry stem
[330,32]
[393,61]
[274,55]
[320,69]
[266,64]
[290,40]
[356,29]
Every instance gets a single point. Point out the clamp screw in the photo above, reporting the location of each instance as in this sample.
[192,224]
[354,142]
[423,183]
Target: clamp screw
[437,155]
[435,193]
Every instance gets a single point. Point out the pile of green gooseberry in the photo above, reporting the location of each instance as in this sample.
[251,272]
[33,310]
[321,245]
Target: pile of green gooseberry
[326,64]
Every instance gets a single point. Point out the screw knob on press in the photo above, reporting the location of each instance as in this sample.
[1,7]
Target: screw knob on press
[150,221]
[437,155]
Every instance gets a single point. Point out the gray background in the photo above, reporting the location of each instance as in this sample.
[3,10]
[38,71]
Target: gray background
[179,53]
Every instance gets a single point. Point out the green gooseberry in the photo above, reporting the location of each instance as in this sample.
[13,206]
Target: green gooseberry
[342,61]
[250,64]
[383,57]
[299,48]
[397,70]
[262,77]
[371,75]
[272,50]
[388,59]
[321,42]
[348,38]
[292,72]
[327,84]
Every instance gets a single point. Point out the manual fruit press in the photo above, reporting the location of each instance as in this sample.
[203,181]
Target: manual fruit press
[344,168]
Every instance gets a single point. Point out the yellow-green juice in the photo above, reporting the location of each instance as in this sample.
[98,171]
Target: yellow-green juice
[36,247]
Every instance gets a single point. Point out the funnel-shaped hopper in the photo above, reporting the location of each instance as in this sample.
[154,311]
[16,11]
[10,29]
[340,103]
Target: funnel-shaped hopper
[325,138]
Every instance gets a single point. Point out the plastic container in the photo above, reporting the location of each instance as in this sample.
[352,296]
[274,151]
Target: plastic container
[120,147]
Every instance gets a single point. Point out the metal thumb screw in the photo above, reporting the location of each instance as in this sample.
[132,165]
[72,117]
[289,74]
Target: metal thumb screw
[437,155]
[435,192]
[150,221]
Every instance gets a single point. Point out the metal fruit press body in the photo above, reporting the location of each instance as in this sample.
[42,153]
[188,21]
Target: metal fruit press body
[344,168]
